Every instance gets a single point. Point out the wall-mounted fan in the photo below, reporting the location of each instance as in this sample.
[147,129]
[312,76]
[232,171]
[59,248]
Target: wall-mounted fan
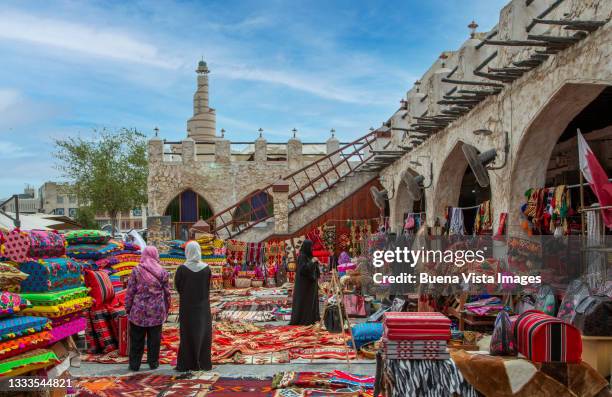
[379,197]
[414,185]
[478,162]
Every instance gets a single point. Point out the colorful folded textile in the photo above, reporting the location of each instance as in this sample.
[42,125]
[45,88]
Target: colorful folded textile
[13,327]
[344,378]
[52,274]
[11,303]
[415,319]
[414,344]
[27,362]
[62,309]
[99,334]
[67,329]
[93,251]
[14,347]
[416,334]
[21,245]
[11,277]
[366,332]
[55,298]
[87,237]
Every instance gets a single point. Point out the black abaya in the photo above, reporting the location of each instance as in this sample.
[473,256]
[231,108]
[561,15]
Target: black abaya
[305,307]
[195,319]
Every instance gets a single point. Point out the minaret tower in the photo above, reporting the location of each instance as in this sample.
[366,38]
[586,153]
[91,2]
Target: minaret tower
[201,127]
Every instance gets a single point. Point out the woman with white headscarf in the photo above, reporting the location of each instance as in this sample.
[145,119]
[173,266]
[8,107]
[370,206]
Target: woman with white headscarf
[192,281]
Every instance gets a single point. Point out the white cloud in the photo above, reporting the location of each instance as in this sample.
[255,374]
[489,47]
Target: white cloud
[8,99]
[10,150]
[315,85]
[81,38]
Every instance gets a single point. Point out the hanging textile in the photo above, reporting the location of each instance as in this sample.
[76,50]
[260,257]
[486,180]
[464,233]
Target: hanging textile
[456,226]
[482,223]
[596,260]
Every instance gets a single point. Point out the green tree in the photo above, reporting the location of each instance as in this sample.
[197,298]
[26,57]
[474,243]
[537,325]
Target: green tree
[86,217]
[108,170]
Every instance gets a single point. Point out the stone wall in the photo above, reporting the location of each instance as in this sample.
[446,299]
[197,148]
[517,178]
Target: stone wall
[534,110]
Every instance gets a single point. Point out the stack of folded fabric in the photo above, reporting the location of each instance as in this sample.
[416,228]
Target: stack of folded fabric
[56,291]
[175,256]
[20,334]
[416,335]
[100,334]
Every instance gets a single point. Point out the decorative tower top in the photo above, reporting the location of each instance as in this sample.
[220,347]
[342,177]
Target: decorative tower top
[202,126]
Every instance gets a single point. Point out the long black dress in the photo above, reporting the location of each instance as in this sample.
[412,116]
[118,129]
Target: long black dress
[305,307]
[195,319]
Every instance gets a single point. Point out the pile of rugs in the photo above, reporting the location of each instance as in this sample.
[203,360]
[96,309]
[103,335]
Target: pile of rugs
[416,335]
[41,304]
[250,305]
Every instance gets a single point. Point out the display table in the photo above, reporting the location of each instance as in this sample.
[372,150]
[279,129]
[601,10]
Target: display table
[597,352]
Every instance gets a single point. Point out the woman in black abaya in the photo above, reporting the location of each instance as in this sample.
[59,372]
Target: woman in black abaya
[192,281]
[305,307]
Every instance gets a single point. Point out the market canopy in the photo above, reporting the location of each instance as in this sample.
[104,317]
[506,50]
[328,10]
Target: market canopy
[38,221]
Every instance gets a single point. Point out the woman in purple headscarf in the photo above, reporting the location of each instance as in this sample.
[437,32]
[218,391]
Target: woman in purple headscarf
[147,303]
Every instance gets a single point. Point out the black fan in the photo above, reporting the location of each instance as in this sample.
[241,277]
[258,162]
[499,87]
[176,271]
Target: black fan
[478,162]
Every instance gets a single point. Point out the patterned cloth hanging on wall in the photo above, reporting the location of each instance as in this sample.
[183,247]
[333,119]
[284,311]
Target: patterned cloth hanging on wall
[547,209]
[483,223]
[236,251]
[329,237]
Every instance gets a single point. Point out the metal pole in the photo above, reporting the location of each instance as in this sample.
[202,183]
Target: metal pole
[17,222]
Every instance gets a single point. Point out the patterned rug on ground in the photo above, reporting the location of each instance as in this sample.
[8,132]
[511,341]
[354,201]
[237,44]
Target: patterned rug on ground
[235,387]
[197,384]
[246,343]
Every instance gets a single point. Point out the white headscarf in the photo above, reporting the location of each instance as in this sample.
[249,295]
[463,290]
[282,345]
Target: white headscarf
[193,253]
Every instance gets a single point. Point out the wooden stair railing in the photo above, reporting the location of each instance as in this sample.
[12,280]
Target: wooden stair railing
[305,184]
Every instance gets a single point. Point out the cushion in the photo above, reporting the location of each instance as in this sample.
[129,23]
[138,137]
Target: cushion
[12,327]
[67,329]
[52,274]
[14,347]
[11,303]
[55,298]
[28,362]
[543,338]
[46,244]
[101,288]
[62,309]
[17,245]
[93,251]
[367,332]
[11,277]
[87,237]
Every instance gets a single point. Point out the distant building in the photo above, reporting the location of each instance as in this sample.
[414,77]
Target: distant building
[126,220]
[28,203]
[56,198]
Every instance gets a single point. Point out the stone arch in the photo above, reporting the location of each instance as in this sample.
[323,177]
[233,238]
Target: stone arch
[454,177]
[185,209]
[401,203]
[538,140]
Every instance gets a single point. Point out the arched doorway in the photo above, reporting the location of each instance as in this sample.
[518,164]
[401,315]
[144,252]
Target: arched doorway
[404,206]
[185,210]
[256,207]
[457,187]
[548,155]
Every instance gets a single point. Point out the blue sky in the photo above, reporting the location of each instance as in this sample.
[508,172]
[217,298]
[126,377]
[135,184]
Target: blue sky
[70,66]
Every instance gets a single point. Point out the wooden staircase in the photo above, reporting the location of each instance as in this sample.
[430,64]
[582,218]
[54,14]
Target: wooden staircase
[364,155]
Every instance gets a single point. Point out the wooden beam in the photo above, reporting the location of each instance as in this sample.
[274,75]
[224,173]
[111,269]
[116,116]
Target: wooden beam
[589,26]
[516,43]
[543,14]
[487,37]
[492,76]
[553,39]
[486,61]
[466,82]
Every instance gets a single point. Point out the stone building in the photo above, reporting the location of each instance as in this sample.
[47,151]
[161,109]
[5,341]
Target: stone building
[205,173]
[523,88]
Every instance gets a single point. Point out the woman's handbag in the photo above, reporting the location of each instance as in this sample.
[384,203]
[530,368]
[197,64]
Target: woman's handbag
[331,319]
[354,305]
